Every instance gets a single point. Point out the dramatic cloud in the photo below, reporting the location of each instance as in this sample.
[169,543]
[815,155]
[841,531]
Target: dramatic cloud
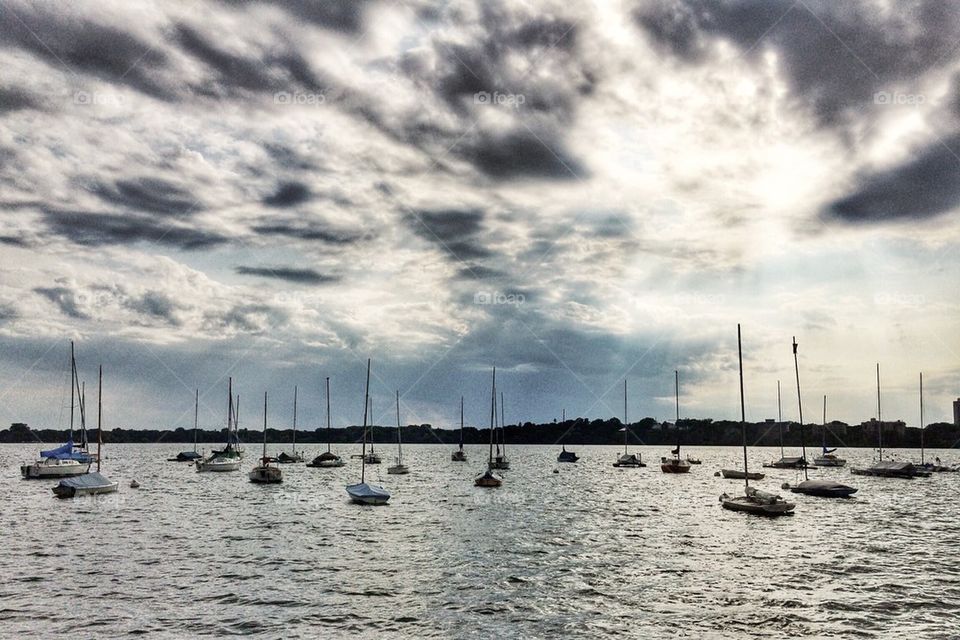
[290,274]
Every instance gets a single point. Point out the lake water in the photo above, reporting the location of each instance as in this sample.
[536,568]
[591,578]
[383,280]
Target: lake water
[592,551]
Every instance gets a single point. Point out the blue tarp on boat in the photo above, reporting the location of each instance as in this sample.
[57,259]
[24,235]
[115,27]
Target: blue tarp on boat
[62,453]
[90,480]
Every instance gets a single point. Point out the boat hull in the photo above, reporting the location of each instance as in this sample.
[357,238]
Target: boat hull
[746,504]
[398,469]
[567,456]
[53,469]
[364,493]
[458,456]
[824,489]
[629,460]
[830,462]
[735,474]
[488,479]
[674,465]
[88,484]
[266,475]
[218,465]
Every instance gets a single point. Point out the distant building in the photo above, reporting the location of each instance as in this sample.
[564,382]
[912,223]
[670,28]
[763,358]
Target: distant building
[896,426]
[956,412]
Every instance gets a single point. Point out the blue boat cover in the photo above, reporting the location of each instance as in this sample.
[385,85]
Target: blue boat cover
[64,452]
[86,481]
[826,451]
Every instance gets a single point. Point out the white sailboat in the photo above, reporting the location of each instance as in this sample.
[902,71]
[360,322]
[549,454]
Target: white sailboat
[753,500]
[827,457]
[93,483]
[675,464]
[488,478]
[327,459]
[362,492]
[399,468]
[293,456]
[500,460]
[230,457]
[936,465]
[459,455]
[819,488]
[628,460]
[263,473]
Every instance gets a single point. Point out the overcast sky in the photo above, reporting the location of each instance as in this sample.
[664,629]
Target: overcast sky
[576,192]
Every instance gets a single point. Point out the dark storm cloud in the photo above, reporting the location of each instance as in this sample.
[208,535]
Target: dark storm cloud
[64,298]
[251,318]
[8,312]
[480,272]
[523,153]
[288,158]
[925,186]
[452,230]
[14,241]
[836,55]
[263,73]
[83,45]
[311,231]
[17,99]
[148,195]
[97,229]
[290,274]
[156,305]
[288,194]
[339,15]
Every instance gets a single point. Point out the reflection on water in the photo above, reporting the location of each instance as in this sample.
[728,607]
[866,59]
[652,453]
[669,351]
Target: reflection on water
[592,551]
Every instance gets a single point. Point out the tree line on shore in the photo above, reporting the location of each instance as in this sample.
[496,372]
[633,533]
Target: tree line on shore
[692,432]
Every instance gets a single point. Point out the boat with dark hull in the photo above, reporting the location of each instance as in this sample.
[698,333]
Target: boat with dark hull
[488,478]
[627,460]
[363,492]
[328,459]
[675,464]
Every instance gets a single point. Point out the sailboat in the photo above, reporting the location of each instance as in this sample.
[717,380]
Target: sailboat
[936,464]
[230,457]
[500,461]
[93,483]
[675,464]
[263,473]
[827,458]
[820,488]
[363,493]
[459,455]
[488,478]
[371,457]
[753,500]
[327,459]
[888,468]
[627,459]
[564,455]
[189,456]
[63,461]
[792,462]
[399,468]
[284,457]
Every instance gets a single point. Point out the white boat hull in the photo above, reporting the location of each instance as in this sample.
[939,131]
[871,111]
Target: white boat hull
[398,469]
[364,493]
[266,475]
[88,484]
[53,468]
[219,465]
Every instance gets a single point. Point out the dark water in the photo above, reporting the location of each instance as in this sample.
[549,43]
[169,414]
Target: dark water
[593,551]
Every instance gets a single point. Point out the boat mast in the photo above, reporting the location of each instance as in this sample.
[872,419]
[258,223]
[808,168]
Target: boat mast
[624,416]
[229,408]
[743,412]
[370,401]
[196,415]
[803,443]
[366,404]
[823,429]
[879,417]
[294,445]
[922,428]
[73,378]
[399,446]
[779,420]
[83,416]
[264,459]
[236,422]
[493,409]
[676,383]
[99,414]
[328,414]
[461,423]
[503,427]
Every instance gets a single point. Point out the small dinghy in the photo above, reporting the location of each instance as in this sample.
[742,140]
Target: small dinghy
[736,474]
[566,456]
[363,493]
[822,489]
[327,459]
[758,503]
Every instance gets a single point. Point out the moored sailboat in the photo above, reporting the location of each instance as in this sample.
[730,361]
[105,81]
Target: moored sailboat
[828,457]
[500,460]
[628,460]
[488,478]
[263,473]
[676,464]
[93,483]
[230,457]
[753,500]
[399,468]
[293,456]
[327,459]
[459,455]
[564,455]
[190,456]
[362,492]
[819,488]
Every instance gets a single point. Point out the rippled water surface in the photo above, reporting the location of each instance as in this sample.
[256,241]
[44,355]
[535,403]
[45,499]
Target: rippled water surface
[591,551]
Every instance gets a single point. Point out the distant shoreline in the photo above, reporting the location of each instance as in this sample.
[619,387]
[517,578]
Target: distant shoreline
[692,432]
